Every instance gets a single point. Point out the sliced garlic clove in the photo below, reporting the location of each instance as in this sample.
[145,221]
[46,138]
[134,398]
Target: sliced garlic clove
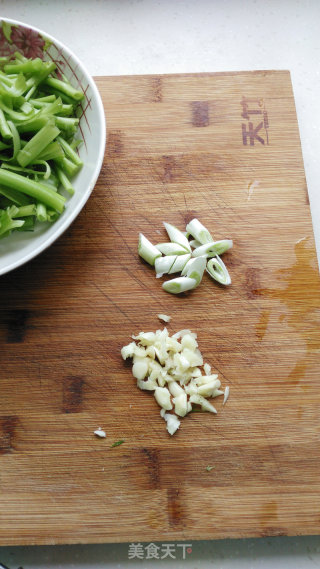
[162,396]
[205,405]
[180,404]
[172,421]
[140,368]
[148,385]
[175,389]
[207,389]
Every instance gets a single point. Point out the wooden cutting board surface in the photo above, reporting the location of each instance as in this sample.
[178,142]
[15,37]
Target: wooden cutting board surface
[224,148]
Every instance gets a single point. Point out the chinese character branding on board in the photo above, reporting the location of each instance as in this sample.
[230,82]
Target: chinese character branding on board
[255,129]
[163,551]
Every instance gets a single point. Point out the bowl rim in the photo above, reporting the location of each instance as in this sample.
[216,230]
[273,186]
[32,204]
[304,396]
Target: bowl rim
[72,214]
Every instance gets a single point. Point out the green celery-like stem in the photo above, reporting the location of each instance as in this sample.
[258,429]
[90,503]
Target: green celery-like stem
[18,55]
[53,150]
[14,196]
[66,110]
[41,101]
[69,152]
[69,168]
[41,212]
[63,96]
[66,123]
[29,66]
[4,146]
[39,191]
[65,182]
[5,80]
[38,78]
[4,128]
[37,144]
[25,211]
[65,88]
[14,115]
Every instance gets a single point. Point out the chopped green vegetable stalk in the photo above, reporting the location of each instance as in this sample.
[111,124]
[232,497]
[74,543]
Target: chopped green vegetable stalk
[199,231]
[16,144]
[37,144]
[147,251]
[34,189]
[218,271]
[52,151]
[213,248]
[67,123]
[65,181]
[7,223]
[23,211]
[28,66]
[69,168]
[176,236]
[69,152]
[171,249]
[180,284]
[4,128]
[195,268]
[14,196]
[42,101]
[41,212]
[39,115]
[65,88]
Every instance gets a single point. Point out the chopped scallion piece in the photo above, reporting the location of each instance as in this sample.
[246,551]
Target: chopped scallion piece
[176,236]
[180,284]
[213,248]
[147,251]
[218,271]
[171,249]
[199,231]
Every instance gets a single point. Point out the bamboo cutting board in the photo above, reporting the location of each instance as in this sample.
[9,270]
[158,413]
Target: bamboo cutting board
[224,148]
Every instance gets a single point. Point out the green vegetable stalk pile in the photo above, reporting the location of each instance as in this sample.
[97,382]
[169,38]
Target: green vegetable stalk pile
[38,158]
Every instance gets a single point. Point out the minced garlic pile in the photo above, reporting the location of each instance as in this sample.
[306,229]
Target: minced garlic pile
[170,367]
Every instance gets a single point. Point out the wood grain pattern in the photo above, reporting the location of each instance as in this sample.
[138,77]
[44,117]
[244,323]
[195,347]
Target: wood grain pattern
[178,147]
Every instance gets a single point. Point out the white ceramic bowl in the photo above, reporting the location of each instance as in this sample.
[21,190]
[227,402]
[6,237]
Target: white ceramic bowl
[20,247]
